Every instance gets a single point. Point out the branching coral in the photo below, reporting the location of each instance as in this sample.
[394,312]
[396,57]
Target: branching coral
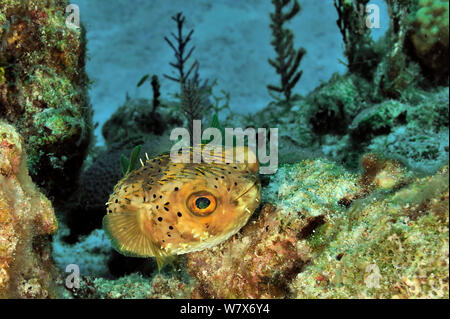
[180,51]
[288,59]
[194,94]
[194,100]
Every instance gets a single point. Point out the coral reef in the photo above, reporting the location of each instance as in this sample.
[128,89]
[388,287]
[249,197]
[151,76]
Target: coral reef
[341,120]
[396,247]
[134,287]
[413,130]
[136,119]
[323,232]
[359,49]
[430,36]
[26,220]
[334,223]
[44,90]
[397,228]
[259,262]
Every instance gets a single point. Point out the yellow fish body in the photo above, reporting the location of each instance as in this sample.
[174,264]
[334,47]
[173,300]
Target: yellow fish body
[164,208]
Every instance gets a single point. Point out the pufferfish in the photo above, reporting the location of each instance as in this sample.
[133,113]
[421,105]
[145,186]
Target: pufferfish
[164,208]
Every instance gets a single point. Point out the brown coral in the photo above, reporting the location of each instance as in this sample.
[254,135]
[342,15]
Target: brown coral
[258,263]
[26,216]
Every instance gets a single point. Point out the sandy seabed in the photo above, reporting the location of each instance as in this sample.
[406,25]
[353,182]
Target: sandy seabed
[232,40]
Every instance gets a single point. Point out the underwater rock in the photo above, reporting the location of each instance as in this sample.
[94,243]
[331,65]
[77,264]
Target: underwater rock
[332,233]
[388,245]
[413,131]
[258,262]
[26,218]
[334,105]
[134,286]
[43,90]
[430,35]
[378,120]
[136,119]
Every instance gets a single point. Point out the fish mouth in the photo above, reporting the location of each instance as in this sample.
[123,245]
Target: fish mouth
[253,185]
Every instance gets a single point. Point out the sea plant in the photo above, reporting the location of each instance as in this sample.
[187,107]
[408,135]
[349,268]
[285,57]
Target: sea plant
[128,165]
[181,53]
[193,100]
[156,89]
[288,59]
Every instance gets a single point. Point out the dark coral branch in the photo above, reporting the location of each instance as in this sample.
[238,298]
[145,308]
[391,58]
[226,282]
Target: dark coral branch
[156,92]
[288,59]
[180,50]
[356,35]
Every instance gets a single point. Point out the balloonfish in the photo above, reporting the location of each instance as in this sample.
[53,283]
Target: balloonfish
[165,208]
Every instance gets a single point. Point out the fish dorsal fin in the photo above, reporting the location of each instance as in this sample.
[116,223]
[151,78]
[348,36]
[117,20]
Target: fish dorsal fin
[127,237]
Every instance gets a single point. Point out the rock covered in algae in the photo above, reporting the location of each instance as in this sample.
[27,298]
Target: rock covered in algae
[270,251]
[391,242]
[26,218]
[258,263]
[430,34]
[137,118]
[333,234]
[43,89]
[134,286]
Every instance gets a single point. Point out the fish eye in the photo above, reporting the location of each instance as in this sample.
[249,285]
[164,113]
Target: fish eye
[202,203]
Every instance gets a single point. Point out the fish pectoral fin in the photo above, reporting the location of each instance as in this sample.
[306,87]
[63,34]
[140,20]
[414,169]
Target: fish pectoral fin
[163,259]
[126,236]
